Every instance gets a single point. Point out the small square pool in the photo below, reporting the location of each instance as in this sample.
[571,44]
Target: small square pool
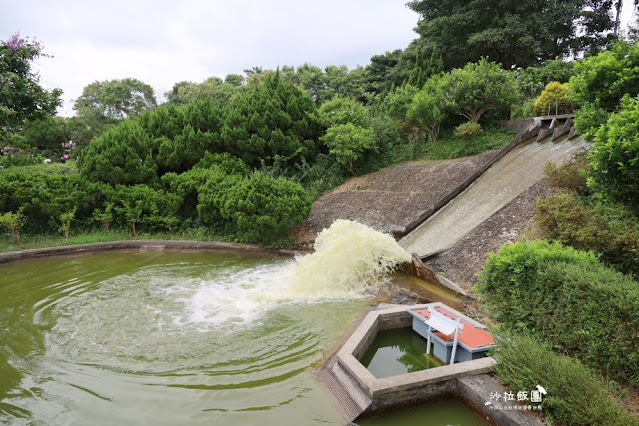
[398,351]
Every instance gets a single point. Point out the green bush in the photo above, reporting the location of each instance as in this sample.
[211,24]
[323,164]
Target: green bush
[43,197]
[122,155]
[588,224]
[570,300]
[588,119]
[11,223]
[13,160]
[226,162]
[468,130]
[615,156]
[259,209]
[605,78]
[140,207]
[553,100]
[348,143]
[575,395]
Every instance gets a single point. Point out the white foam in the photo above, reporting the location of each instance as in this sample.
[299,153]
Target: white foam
[350,260]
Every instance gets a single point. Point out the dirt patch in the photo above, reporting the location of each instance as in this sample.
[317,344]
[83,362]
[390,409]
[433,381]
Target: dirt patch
[389,198]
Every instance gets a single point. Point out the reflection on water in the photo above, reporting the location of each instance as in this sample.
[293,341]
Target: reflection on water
[398,351]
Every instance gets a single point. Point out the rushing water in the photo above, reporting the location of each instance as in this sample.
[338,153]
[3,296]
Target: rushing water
[176,338]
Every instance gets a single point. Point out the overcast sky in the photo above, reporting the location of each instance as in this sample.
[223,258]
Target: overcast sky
[162,42]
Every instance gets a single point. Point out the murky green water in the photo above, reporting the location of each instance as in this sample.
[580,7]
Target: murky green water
[398,351]
[163,338]
[445,413]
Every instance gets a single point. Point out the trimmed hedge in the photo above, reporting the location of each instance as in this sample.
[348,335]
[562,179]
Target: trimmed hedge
[570,300]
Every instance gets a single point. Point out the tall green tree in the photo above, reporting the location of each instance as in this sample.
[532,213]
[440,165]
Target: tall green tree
[46,133]
[115,99]
[477,88]
[21,97]
[272,121]
[427,109]
[512,32]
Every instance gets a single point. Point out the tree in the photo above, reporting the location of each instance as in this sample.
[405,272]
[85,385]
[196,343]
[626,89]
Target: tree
[533,80]
[425,68]
[47,133]
[213,88]
[426,111]
[615,157]
[512,32]
[477,88]
[553,100]
[234,80]
[341,110]
[605,78]
[348,142]
[273,120]
[115,99]
[21,97]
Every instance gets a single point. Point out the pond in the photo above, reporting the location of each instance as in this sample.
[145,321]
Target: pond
[163,338]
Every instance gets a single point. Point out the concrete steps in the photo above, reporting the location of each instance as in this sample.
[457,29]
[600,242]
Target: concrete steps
[350,399]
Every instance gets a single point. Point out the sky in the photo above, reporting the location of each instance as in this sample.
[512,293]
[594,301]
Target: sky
[163,42]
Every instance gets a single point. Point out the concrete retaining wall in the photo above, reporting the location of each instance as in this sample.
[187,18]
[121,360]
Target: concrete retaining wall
[143,245]
[391,393]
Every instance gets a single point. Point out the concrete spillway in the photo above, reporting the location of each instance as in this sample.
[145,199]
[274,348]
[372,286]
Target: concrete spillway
[513,174]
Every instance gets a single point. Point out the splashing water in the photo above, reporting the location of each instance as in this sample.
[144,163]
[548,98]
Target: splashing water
[350,260]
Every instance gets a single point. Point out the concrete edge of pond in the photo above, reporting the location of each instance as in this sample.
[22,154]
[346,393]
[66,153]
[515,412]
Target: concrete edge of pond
[143,245]
[359,393]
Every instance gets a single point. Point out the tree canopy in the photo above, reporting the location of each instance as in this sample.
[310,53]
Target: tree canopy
[115,99]
[477,88]
[512,32]
[21,97]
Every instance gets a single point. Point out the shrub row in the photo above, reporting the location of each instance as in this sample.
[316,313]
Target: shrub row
[575,396]
[569,299]
[219,193]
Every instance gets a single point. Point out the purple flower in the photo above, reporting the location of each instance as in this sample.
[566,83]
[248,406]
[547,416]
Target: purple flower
[14,42]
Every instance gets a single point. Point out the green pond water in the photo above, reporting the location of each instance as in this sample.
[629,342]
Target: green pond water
[451,412]
[398,351]
[166,338]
